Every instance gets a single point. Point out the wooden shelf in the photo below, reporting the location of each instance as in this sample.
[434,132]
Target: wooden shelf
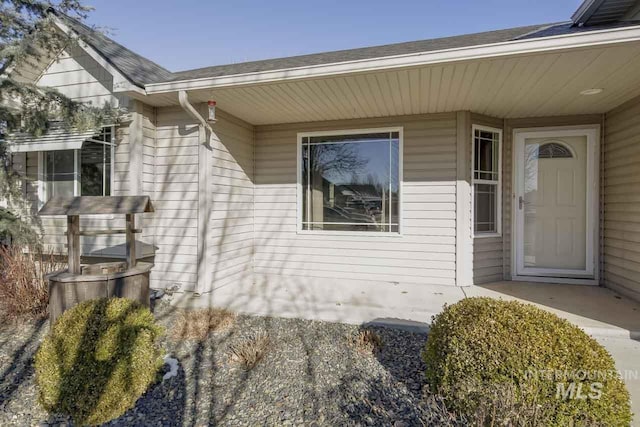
[108,232]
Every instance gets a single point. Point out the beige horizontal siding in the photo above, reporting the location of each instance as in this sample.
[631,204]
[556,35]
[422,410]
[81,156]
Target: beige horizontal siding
[175,190]
[230,222]
[177,196]
[77,75]
[148,175]
[424,254]
[621,199]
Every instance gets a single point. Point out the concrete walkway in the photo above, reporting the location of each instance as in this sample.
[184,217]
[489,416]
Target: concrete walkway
[626,353]
[597,310]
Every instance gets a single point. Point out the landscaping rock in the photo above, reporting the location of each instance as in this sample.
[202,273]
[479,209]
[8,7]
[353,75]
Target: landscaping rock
[310,375]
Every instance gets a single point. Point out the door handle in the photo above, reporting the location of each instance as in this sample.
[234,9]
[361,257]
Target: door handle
[521,202]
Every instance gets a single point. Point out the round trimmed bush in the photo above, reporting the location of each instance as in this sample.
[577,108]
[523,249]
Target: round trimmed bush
[503,362]
[98,359]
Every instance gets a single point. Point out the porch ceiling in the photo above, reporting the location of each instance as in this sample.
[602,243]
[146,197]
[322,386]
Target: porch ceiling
[542,84]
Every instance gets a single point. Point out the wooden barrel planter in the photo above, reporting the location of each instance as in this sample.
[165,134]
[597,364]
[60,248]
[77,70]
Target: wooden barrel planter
[98,281]
[78,283]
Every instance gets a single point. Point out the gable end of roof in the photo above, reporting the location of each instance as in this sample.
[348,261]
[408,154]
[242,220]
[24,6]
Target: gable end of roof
[598,12]
[138,69]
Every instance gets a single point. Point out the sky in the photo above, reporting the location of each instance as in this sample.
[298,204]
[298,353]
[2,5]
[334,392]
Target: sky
[189,34]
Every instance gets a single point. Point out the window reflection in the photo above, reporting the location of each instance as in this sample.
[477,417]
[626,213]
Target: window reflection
[59,173]
[86,172]
[95,169]
[351,182]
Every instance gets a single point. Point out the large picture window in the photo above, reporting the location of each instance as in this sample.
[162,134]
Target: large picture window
[83,172]
[486,181]
[350,181]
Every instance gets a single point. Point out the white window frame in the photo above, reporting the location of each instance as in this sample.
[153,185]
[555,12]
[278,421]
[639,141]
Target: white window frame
[498,183]
[301,135]
[42,195]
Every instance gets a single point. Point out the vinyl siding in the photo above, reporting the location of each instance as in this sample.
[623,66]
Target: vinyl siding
[121,173]
[229,246]
[487,251]
[31,70]
[176,201]
[148,176]
[621,228]
[424,254]
[507,171]
[78,76]
[231,222]
[134,164]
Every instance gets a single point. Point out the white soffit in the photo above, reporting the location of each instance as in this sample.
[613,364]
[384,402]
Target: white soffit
[506,87]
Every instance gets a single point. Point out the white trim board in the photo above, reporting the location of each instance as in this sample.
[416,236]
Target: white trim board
[464,213]
[590,275]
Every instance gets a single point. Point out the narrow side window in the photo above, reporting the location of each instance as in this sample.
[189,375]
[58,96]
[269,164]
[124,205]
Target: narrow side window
[486,181]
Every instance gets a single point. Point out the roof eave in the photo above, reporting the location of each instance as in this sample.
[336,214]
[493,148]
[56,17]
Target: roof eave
[515,47]
[121,83]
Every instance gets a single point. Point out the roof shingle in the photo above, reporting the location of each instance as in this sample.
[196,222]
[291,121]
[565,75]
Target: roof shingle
[406,48]
[143,71]
[136,68]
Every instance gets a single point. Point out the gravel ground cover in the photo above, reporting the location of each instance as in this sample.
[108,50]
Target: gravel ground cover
[310,375]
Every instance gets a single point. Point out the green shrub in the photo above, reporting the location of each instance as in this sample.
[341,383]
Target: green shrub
[98,359]
[501,363]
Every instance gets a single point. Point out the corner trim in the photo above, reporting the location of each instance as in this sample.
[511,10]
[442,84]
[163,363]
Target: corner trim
[464,226]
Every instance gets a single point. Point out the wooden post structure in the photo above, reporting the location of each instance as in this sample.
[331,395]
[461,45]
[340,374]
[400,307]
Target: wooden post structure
[73,207]
[131,240]
[73,243]
[104,279]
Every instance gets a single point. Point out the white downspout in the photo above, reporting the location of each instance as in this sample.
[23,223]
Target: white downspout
[204,127]
[204,270]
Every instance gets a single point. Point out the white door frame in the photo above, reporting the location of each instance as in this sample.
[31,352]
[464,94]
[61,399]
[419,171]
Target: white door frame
[591,272]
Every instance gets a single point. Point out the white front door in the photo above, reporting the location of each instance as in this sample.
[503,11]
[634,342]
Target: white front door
[555,203]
